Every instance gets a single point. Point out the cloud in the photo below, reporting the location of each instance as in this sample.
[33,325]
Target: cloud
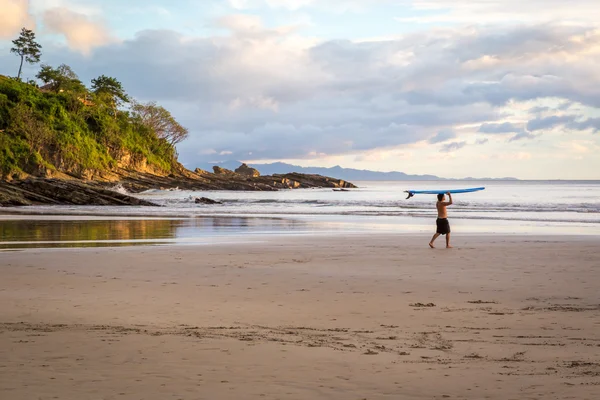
[500,11]
[337,6]
[502,128]
[580,147]
[273,93]
[14,16]
[572,122]
[513,156]
[442,136]
[482,141]
[305,141]
[447,11]
[82,33]
[522,135]
[241,23]
[590,123]
[549,122]
[381,155]
[450,147]
[539,109]
[289,4]
[256,102]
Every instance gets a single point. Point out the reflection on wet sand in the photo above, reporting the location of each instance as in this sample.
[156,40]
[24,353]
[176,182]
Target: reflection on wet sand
[29,233]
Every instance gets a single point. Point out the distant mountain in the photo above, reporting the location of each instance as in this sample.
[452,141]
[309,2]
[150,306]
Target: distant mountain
[348,174]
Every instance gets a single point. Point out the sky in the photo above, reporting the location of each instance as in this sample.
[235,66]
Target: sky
[454,88]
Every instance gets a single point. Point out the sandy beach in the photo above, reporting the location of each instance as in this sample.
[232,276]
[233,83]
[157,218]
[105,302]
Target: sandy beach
[357,317]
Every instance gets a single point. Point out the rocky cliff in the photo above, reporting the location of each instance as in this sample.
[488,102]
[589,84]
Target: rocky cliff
[70,190]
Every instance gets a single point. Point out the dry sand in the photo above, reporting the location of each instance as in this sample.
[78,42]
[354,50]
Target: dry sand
[304,318]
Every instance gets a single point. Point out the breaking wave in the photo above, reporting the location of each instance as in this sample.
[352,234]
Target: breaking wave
[120,189]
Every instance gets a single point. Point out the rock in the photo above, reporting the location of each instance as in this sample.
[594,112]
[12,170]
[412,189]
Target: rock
[291,184]
[129,161]
[206,200]
[247,171]
[222,171]
[308,181]
[57,191]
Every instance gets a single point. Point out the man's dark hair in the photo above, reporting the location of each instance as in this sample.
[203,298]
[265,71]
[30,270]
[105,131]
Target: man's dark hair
[440,196]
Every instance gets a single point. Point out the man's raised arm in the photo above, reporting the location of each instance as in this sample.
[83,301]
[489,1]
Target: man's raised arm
[448,203]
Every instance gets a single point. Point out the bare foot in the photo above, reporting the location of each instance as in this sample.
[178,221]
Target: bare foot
[449,247]
[431,245]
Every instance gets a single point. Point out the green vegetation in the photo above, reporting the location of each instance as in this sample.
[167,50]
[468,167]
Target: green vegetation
[60,79]
[64,126]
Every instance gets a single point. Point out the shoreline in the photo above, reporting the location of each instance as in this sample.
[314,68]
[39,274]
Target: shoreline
[378,317]
[419,242]
[71,231]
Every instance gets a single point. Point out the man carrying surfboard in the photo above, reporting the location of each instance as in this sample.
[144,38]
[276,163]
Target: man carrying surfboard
[443,226]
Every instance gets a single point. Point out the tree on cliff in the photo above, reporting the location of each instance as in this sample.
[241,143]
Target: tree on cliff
[61,78]
[110,91]
[159,120]
[27,48]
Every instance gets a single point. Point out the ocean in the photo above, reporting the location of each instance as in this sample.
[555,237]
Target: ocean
[504,207]
[502,200]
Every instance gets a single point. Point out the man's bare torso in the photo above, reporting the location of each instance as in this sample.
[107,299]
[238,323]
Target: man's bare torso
[441,209]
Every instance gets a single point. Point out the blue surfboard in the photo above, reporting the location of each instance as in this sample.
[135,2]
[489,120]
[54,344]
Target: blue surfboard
[411,193]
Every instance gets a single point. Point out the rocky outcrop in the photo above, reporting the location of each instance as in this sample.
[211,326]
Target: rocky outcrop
[309,181]
[222,171]
[56,191]
[97,192]
[228,180]
[132,162]
[288,183]
[206,200]
[247,171]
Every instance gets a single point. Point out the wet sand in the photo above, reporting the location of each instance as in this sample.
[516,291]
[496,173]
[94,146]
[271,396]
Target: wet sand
[378,317]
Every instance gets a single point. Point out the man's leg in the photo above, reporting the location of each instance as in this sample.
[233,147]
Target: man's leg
[448,241]
[437,235]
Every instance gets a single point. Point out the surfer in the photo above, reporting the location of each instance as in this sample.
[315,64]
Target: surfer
[443,226]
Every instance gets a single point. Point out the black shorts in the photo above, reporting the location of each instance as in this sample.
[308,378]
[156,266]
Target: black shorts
[443,226]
